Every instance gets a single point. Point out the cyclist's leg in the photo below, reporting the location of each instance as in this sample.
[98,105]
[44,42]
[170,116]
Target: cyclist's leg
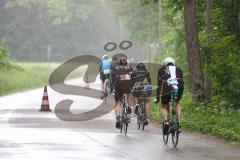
[117,108]
[117,96]
[178,102]
[136,105]
[103,80]
[113,81]
[130,100]
[165,104]
[178,109]
[146,114]
[165,107]
[147,106]
[106,82]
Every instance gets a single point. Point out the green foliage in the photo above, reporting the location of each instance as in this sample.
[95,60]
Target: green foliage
[62,10]
[5,63]
[4,58]
[31,75]
[144,22]
[218,119]
[220,53]
[31,28]
[223,52]
[140,20]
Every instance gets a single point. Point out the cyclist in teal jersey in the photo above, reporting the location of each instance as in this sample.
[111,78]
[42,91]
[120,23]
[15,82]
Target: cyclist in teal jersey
[105,69]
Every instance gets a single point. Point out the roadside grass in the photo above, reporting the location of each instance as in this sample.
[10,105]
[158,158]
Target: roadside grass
[29,76]
[217,119]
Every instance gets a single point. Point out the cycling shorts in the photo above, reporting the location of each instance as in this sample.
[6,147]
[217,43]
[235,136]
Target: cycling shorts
[166,98]
[121,88]
[103,77]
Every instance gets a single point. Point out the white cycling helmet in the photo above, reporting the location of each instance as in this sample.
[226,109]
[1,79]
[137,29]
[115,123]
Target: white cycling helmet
[105,56]
[168,60]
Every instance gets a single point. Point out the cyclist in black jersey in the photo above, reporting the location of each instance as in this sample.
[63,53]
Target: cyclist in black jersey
[169,77]
[123,85]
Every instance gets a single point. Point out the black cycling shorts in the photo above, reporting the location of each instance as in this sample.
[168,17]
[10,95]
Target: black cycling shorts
[121,88]
[166,98]
[104,77]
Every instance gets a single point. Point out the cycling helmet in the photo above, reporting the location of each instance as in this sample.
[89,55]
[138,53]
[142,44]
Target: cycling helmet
[122,61]
[141,66]
[105,56]
[168,61]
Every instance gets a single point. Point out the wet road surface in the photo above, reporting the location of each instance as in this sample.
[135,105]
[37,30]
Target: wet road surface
[26,133]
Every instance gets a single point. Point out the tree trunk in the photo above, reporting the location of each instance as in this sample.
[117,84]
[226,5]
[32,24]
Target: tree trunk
[208,82]
[193,51]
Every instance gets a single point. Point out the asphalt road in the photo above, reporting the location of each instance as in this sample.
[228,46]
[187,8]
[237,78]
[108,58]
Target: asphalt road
[26,133]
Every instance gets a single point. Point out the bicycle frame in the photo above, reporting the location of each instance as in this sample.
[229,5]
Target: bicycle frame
[141,112]
[173,123]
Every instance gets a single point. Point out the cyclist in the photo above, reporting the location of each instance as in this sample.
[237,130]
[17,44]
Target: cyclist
[141,77]
[105,68]
[123,85]
[169,77]
[115,60]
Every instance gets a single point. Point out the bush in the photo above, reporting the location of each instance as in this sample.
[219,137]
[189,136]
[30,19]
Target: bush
[218,118]
[5,62]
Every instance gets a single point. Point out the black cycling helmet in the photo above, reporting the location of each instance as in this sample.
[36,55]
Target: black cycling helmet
[141,66]
[122,61]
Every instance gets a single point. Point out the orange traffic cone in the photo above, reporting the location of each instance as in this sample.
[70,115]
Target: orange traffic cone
[45,102]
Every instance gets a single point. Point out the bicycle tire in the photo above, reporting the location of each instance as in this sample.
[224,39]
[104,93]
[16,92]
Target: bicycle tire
[143,125]
[138,121]
[121,125]
[175,131]
[125,124]
[165,136]
[143,114]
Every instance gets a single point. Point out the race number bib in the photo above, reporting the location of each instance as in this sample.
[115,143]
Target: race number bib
[125,77]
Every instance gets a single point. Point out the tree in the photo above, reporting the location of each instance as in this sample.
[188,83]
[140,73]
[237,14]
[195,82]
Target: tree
[208,83]
[193,51]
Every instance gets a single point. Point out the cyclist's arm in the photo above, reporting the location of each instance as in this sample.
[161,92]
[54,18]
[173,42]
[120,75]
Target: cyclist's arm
[159,83]
[180,76]
[179,73]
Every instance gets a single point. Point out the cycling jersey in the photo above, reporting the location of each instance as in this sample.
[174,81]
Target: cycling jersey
[141,83]
[123,82]
[106,66]
[166,80]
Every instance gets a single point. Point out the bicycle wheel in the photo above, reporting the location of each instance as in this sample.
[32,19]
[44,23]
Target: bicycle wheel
[121,125]
[125,126]
[138,120]
[143,115]
[142,123]
[175,131]
[165,136]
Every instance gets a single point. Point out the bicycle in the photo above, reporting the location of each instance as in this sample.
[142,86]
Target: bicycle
[124,119]
[144,91]
[141,113]
[173,121]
